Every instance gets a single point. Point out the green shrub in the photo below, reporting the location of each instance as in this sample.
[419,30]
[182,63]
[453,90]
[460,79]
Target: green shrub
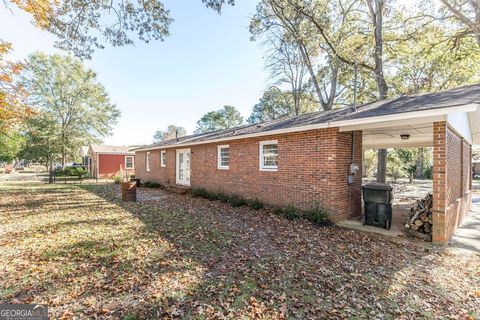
[427,172]
[291,213]
[211,195]
[237,201]
[233,199]
[198,192]
[255,204]
[151,184]
[318,215]
[203,193]
[278,210]
[71,172]
[117,179]
[223,197]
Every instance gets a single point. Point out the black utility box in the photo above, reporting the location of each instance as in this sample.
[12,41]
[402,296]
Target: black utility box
[377,200]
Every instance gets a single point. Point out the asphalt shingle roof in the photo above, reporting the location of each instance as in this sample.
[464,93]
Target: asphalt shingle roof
[449,98]
[98,148]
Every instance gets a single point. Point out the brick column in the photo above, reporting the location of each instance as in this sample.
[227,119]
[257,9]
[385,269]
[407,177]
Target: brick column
[439,182]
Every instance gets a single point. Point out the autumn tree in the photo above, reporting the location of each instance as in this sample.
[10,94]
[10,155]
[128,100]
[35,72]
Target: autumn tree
[61,87]
[465,13]
[83,26]
[13,107]
[287,67]
[225,118]
[11,144]
[42,142]
[171,132]
[276,104]
[281,19]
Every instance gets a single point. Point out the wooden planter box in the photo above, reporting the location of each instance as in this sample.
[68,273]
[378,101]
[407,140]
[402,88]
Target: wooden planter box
[129,191]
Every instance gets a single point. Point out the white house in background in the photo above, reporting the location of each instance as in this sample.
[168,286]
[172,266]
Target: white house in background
[85,158]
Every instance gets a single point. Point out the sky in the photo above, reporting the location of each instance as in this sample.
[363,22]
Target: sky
[206,63]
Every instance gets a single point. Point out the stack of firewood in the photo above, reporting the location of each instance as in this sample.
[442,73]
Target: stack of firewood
[419,220]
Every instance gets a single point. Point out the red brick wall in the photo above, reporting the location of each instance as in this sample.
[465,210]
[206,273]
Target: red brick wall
[451,181]
[313,167]
[163,175]
[110,165]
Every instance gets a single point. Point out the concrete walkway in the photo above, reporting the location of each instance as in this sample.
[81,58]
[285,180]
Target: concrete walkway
[467,236]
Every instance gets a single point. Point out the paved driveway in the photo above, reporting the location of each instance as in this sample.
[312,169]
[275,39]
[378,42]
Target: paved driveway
[467,235]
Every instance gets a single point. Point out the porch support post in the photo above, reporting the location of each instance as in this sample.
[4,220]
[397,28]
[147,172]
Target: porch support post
[439,234]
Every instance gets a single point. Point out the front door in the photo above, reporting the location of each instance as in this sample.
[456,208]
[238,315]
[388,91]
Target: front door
[183,167]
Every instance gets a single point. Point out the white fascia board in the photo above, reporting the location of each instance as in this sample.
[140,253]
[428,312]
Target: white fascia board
[342,123]
[118,153]
[394,123]
[432,113]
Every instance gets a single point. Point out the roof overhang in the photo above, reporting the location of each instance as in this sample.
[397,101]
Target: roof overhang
[432,115]
[117,153]
[383,121]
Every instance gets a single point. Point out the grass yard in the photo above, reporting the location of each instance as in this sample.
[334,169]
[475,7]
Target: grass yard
[80,250]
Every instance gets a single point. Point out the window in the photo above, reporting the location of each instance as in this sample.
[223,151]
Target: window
[163,158]
[147,162]
[269,155]
[223,157]
[129,162]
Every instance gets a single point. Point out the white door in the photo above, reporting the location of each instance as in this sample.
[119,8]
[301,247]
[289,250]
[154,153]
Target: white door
[183,167]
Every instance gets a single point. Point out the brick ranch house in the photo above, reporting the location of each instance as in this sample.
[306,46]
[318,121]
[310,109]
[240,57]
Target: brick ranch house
[109,161]
[316,158]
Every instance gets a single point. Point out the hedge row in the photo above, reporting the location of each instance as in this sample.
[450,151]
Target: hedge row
[233,199]
[318,215]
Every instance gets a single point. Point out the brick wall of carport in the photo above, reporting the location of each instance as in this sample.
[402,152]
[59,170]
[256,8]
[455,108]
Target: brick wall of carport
[451,181]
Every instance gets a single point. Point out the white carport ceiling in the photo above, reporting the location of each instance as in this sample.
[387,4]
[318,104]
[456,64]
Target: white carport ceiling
[421,135]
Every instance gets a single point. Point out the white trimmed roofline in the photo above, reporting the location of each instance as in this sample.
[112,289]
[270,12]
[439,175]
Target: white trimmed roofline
[334,124]
[129,153]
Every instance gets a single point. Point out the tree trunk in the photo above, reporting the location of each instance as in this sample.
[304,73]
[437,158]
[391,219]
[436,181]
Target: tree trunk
[316,86]
[333,85]
[419,164]
[382,166]
[376,8]
[50,173]
[64,160]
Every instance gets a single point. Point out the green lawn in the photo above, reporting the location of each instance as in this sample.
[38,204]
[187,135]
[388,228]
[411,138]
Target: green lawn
[88,255]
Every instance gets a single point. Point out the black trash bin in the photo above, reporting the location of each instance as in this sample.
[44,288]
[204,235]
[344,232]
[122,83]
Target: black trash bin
[377,200]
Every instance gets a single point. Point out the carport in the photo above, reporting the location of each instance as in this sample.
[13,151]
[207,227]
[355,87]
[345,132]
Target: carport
[450,124]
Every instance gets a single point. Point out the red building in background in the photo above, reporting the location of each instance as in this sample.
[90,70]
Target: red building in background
[110,161]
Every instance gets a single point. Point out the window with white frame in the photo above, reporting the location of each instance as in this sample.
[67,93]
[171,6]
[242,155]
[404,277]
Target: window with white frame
[223,157]
[269,155]
[147,162]
[129,162]
[163,158]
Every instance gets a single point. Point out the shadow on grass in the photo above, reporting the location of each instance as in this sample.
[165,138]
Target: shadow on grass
[190,258]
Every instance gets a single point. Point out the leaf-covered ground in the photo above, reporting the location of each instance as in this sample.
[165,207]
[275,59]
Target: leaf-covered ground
[88,255]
